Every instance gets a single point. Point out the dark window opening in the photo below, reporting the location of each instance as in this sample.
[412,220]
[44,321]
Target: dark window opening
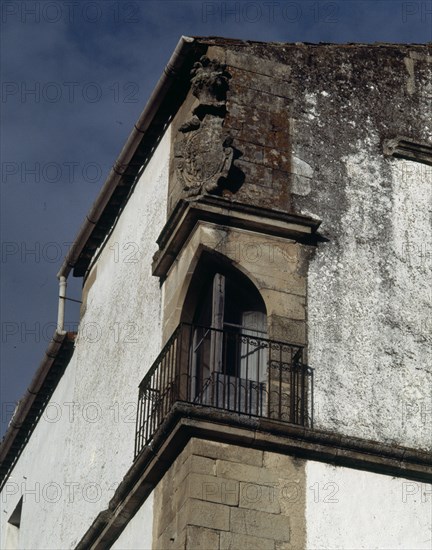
[228,359]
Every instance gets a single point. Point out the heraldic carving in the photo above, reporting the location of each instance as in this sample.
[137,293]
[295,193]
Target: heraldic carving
[203,151]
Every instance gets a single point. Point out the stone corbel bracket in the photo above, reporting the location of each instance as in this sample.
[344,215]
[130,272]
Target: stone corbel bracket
[402,147]
[224,213]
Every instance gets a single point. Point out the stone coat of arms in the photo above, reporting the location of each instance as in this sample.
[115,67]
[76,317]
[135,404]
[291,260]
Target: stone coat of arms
[203,151]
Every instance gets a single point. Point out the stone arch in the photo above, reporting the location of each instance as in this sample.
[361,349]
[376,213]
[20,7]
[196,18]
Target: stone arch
[277,278]
[206,263]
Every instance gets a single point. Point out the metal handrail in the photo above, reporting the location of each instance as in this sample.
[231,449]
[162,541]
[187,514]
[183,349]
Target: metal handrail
[237,372]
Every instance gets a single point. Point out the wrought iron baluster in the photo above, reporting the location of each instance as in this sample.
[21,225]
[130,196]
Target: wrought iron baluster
[234,379]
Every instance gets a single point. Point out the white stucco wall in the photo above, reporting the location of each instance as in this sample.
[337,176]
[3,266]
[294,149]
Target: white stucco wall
[369,304]
[353,510]
[83,446]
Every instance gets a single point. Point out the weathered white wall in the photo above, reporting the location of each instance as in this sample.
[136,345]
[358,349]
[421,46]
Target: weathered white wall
[369,304]
[352,510]
[369,286]
[76,461]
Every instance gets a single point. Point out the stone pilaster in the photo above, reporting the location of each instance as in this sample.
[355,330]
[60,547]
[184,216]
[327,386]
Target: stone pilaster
[221,496]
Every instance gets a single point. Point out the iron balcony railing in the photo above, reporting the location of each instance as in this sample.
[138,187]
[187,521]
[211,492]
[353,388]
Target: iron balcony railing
[230,369]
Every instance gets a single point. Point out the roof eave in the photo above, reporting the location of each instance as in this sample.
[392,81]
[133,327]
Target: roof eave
[121,165]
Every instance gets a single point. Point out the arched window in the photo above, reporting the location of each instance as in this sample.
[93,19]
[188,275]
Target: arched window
[228,352]
[219,355]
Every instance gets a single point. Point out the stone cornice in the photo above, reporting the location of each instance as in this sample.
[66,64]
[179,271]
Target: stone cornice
[185,421]
[402,147]
[34,401]
[228,214]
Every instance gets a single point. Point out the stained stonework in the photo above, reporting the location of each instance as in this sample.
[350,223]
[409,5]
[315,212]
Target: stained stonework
[252,100]
[203,156]
[221,496]
[203,150]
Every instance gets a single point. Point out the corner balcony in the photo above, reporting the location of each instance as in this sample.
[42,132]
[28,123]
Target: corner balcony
[230,370]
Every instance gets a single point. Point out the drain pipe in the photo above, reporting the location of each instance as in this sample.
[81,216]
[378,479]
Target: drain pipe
[61,305]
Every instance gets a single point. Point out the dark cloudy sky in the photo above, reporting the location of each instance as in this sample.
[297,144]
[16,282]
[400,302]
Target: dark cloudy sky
[75,76]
